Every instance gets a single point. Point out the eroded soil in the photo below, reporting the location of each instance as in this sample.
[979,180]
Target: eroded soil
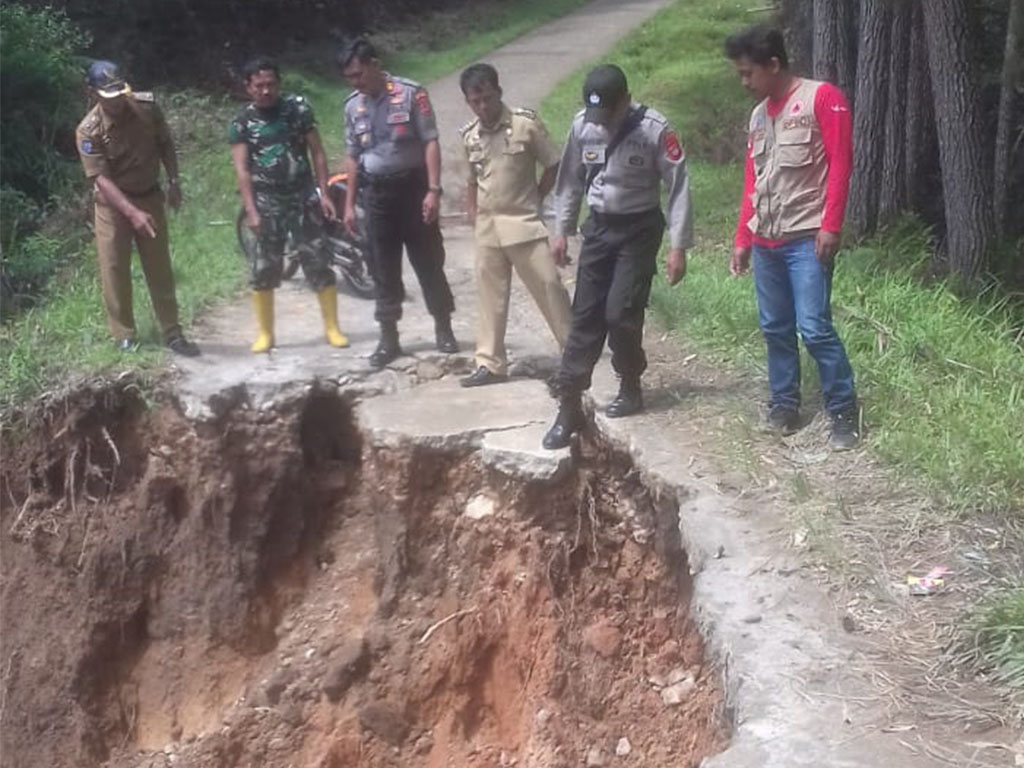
[270,590]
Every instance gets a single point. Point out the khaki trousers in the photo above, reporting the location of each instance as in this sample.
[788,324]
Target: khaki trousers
[114,236]
[535,267]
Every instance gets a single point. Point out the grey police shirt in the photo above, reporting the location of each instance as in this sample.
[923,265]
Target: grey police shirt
[630,182]
[386,134]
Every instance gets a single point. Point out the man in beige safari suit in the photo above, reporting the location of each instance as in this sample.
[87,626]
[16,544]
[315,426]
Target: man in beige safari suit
[504,147]
[122,143]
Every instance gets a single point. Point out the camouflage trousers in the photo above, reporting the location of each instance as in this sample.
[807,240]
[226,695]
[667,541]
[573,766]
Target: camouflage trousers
[295,222]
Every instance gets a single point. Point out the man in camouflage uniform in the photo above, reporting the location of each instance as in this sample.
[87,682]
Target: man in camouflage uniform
[271,143]
[122,142]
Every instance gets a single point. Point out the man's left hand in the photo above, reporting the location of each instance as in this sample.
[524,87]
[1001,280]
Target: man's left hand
[826,246]
[174,197]
[328,208]
[675,265]
[430,207]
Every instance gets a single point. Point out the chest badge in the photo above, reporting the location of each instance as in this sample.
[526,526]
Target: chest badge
[593,155]
[636,161]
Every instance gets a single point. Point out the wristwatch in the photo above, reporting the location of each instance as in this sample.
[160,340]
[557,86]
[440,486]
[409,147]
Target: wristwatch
[438,190]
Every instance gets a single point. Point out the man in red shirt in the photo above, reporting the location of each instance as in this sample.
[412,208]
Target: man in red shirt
[799,157]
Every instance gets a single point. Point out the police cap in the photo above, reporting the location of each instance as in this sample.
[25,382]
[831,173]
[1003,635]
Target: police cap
[106,78]
[603,90]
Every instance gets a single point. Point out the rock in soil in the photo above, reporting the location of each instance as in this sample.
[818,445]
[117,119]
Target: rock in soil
[386,720]
[603,638]
[347,664]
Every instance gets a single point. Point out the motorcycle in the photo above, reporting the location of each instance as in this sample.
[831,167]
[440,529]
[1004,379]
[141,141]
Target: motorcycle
[348,254]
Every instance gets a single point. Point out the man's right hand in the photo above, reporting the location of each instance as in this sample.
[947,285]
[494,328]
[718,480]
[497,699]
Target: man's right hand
[560,251]
[253,221]
[740,262]
[143,223]
[351,225]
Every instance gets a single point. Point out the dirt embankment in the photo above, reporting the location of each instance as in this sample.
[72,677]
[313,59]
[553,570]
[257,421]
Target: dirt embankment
[271,590]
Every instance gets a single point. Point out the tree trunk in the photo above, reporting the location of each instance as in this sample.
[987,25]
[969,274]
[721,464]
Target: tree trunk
[1013,78]
[924,177]
[798,18]
[834,57]
[893,192]
[869,116]
[968,198]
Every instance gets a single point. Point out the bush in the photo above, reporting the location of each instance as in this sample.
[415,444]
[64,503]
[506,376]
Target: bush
[40,79]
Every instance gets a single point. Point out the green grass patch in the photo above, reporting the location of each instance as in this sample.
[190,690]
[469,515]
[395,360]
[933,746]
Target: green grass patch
[66,335]
[941,378]
[996,641]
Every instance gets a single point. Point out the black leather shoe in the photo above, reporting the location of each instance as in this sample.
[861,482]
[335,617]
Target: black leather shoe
[481,377]
[570,419]
[127,345]
[783,420]
[179,345]
[444,336]
[630,400]
[388,348]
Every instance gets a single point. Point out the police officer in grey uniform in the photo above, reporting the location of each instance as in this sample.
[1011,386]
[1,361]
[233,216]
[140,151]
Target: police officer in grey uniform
[617,155]
[392,150]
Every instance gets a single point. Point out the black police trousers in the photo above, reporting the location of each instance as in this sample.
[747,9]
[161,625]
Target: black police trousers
[613,282]
[394,207]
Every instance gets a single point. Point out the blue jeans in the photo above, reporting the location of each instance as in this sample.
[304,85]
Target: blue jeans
[794,292]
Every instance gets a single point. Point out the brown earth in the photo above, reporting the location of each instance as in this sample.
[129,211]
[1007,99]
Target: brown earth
[268,590]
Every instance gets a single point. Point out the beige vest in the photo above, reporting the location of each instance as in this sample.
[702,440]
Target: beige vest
[790,167]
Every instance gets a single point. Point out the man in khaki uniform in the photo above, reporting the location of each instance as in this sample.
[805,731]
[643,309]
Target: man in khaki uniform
[504,147]
[122,141]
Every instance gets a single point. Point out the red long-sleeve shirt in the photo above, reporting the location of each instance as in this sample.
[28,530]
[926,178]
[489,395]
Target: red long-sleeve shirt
[832,112]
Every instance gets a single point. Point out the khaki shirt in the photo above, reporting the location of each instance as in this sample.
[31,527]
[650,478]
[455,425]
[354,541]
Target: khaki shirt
[126,150]
[503,164]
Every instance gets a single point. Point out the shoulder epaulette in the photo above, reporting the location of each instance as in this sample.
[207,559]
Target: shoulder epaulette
[524,112]
[352,96]
[655,116]
[145,96]
[468,126]
[91,119]
[407,82]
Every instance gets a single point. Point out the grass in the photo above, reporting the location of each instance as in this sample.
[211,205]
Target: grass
[996,643]
[65,335]
[941,378]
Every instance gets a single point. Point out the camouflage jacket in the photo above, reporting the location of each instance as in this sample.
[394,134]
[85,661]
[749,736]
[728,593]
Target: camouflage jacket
[276,138]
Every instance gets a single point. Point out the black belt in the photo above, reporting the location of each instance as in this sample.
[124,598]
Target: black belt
[388,179]
[613,219]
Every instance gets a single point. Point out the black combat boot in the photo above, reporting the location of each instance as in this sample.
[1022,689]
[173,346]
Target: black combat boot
[570,419]
[630,400]
[444,335]
[388,348]
[845,429]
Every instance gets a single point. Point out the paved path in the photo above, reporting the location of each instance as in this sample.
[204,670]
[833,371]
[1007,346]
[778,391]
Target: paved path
[530,67]
[773,634]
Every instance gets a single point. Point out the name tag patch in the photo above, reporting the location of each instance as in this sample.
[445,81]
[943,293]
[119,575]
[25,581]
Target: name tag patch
[398,117]
[804,121]
[636,161]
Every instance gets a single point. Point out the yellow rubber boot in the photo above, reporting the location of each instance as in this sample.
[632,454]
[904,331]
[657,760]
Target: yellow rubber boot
[263,302]
[329,309]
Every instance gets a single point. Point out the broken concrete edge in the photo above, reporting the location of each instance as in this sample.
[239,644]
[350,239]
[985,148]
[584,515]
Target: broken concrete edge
[759,648]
